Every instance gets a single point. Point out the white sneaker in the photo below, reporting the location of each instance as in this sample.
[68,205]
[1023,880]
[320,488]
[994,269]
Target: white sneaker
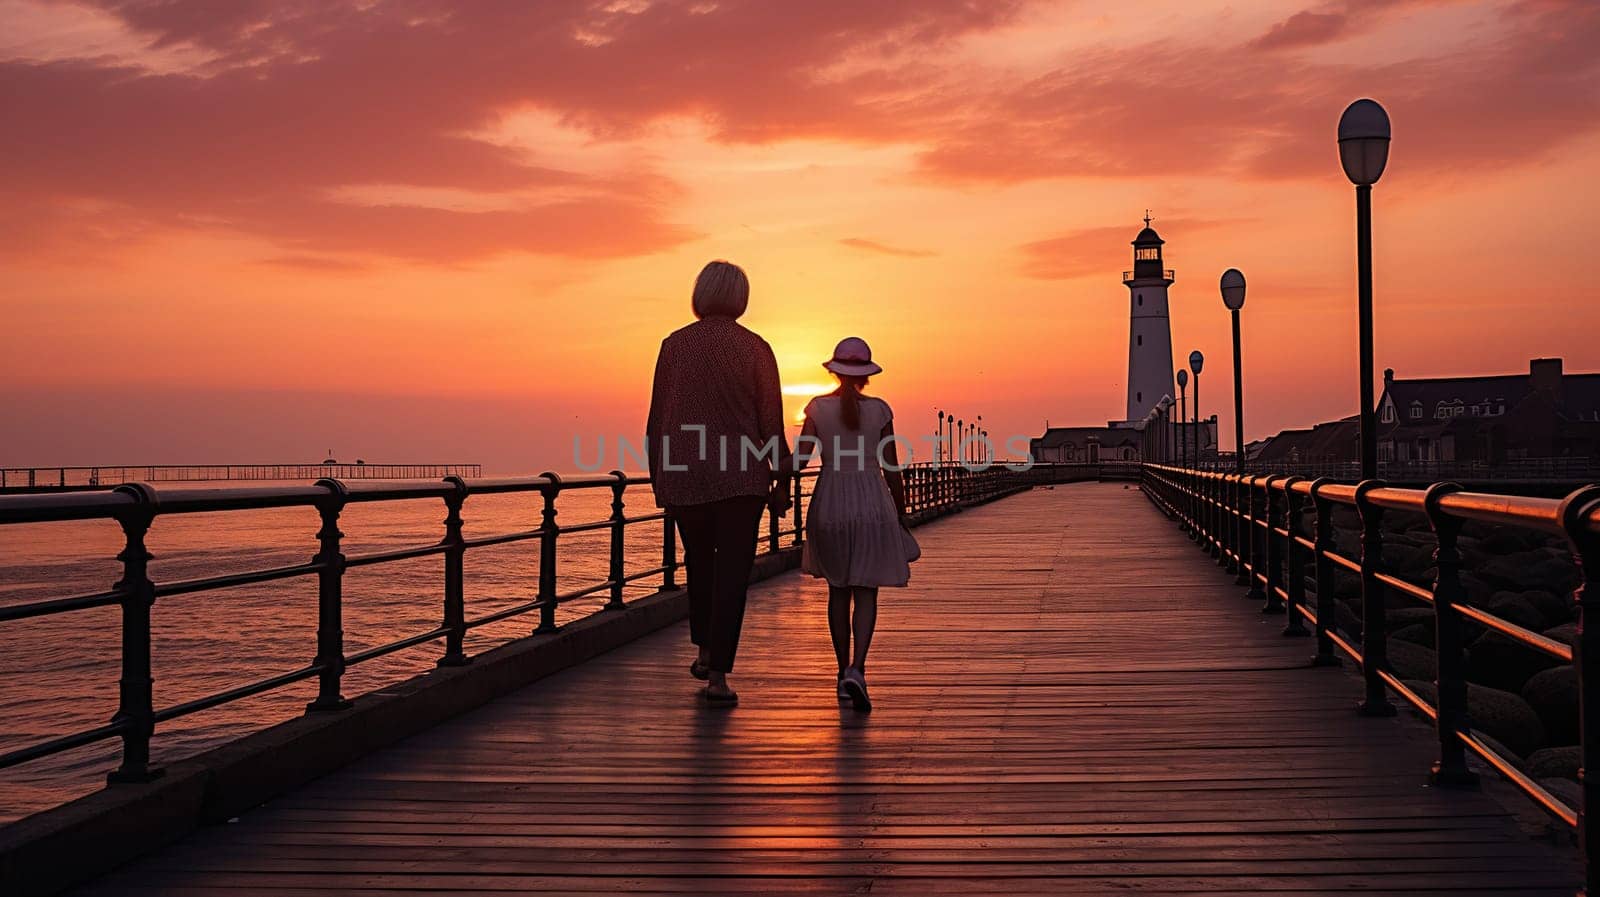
[855,685]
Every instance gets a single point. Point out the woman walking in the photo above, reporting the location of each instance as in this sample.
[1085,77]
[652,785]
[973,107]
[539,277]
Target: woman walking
[715,393]
[856,536]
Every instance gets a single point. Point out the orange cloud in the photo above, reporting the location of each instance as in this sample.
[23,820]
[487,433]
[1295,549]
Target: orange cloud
[885,249]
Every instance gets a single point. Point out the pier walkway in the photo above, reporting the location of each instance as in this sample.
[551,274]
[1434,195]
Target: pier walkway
[1069,700]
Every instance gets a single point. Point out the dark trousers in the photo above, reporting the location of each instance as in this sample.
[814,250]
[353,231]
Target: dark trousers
[719,548]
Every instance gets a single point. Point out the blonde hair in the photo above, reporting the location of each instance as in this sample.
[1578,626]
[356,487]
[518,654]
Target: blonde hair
[721,290]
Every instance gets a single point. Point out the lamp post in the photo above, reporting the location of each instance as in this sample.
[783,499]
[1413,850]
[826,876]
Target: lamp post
[1233,297]
[1363,152]
[977,432]
[1183,410]
[1171,435]
[938,444]
[1196,362]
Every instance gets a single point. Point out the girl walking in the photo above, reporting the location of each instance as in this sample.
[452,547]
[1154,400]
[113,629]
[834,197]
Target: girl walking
[856,536]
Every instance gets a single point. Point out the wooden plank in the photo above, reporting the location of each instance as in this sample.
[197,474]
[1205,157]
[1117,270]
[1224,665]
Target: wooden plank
[1070,699]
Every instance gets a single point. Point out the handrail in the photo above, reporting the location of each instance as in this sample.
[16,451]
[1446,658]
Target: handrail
[1223,513]
[931,488]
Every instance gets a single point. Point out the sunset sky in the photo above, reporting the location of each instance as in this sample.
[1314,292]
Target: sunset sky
[255,231]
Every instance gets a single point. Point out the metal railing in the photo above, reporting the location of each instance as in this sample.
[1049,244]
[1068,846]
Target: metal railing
[932,489]
[27,479]
[1573,469]
[1256,527]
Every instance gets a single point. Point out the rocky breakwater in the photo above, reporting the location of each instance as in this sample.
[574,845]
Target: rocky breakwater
[1520,699]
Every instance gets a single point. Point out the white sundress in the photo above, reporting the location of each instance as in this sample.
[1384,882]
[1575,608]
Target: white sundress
[853,534]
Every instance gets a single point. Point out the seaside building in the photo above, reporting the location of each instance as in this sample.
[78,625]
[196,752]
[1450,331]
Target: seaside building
[1544,413]
[1494,419]
[1150,371]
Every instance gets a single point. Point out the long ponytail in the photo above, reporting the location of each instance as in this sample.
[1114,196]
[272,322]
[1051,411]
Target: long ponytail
[850,400]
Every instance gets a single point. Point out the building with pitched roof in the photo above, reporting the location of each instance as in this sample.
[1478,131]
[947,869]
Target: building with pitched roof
[1545,413]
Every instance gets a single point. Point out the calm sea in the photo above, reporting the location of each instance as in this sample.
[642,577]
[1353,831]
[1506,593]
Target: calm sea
[59,674]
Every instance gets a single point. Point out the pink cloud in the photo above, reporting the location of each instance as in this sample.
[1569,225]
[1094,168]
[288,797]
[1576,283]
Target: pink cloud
[1176,109]
[304,98]
[1094,251]
[885,249]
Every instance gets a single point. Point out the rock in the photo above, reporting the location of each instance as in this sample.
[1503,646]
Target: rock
[1566,632]
[1555,762]
[1494,745]
[1497,661]
[1414,526]
[1558,575]
[1347,587]
[1553,694]
[1408,660]
[1417,634]
[1512,571]
[1511,607]
[1555,609]
[1505,717]
[1567,791]
[1406,560]
[1505,540]
[1349,620]
[1402,617]
[1477,590]
[1424,577]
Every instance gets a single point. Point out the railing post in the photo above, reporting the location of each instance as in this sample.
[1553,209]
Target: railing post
[619,527]
[136,688]
[1196,518]
[548,531]
[1241,520]
[1295,523]
[799,521]
[1228,527]
[1451,769]
[1374,616]
[773,526]
[1574,513]
[455,598]
[330,600]
[1180,497]
[1275,506]
[1327,616]
[669,553]
[1252,538]
[1219,531]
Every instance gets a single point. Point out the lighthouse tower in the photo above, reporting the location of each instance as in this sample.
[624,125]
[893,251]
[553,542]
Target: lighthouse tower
[1149,330]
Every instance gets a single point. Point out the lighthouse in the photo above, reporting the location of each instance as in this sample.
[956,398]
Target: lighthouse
[1149,329]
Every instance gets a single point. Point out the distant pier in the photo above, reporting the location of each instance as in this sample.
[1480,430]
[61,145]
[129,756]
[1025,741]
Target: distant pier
[62,479]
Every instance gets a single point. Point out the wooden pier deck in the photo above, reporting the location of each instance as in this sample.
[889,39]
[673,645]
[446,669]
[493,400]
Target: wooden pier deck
[1070,700]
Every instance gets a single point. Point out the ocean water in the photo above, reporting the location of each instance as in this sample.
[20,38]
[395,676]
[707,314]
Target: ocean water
[58,674]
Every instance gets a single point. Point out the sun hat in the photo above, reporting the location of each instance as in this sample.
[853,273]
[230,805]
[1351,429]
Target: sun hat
[852,358]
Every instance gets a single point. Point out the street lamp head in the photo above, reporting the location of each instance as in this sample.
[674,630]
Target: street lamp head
[1364,141]
[1233,289]
[1183,378]
[1196,361]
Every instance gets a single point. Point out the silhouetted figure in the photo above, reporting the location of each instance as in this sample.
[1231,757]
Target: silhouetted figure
[856,535]
[715,432]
